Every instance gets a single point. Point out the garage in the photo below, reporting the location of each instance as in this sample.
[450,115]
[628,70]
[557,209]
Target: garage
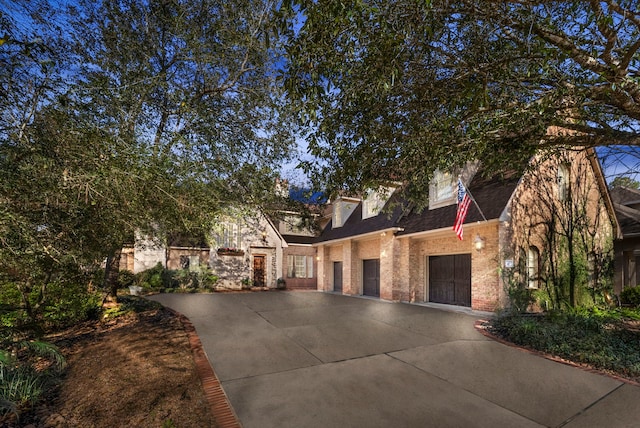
[371,277]
[450,279]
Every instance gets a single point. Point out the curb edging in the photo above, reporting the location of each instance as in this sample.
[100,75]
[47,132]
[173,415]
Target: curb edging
[481,327]
[221,409]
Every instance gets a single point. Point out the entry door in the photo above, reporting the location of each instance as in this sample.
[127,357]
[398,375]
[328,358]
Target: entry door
[450,279]
[259,271]
[337,276]
[371,277]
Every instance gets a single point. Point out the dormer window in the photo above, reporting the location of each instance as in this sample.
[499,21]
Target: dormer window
[374,201]
[441,190]
[342,209]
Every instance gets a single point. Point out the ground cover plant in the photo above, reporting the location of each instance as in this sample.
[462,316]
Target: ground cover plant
[607,340]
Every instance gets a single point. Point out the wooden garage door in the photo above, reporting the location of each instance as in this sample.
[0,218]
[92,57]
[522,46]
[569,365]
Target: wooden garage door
[371,277]
[450,279]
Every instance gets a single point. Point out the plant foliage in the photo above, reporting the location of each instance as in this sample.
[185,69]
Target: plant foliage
[392,91]
[590,336]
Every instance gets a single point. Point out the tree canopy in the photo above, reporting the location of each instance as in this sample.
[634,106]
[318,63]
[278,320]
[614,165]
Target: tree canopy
[131,115]
[394,90]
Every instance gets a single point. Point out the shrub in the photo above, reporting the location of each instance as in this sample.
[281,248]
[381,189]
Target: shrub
[126,278]
[631,296]
[151,278]
[69,304]
[587,335]
[21,385]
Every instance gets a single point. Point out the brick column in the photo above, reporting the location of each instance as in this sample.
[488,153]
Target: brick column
[387,271]
[349,269]
[323,278]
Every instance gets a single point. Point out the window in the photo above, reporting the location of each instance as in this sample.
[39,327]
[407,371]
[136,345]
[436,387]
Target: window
[533,263]
[441,190]
[229,236]
[299,267]
[563,181]
[189,262]
[372,205]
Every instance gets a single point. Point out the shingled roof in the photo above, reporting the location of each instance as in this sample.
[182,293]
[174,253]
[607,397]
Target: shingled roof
[491,194]
[625,203]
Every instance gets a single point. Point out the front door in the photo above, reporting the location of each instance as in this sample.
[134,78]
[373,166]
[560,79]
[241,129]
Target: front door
[371,277]
[337,277]
[450,279]
[259,271]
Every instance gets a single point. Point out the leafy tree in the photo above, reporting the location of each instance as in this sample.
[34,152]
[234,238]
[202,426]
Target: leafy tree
[394,90]
[623,181]
[125,116]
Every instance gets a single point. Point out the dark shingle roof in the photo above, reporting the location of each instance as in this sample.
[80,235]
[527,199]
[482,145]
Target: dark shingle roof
[625,202]
[491,194]
[625,195]
[628,218]
[355,225]
[299,239]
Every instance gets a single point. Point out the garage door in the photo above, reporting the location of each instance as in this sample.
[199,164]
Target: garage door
[450,279]
[337,276]
[371,277]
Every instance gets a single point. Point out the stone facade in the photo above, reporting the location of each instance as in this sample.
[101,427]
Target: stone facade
[254,237]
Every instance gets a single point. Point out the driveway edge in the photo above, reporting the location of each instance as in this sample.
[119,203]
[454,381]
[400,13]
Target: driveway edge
[481,326]
[219,404]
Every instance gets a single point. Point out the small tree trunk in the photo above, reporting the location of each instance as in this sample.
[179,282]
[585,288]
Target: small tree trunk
[111,271]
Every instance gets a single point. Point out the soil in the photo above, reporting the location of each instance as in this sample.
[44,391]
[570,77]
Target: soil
[137,370]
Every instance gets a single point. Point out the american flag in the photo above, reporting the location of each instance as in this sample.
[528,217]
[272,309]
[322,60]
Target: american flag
[463,206]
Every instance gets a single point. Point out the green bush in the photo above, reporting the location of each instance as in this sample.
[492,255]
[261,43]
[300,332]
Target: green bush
[586,335]
[66,303]
[69,304]
[153,278]
[631,296]
[126,278]
[21,385]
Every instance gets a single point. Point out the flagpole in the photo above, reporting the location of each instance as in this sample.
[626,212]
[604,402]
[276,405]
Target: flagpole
[473,199]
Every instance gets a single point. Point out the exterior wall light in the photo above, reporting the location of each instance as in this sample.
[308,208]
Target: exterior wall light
[478,242]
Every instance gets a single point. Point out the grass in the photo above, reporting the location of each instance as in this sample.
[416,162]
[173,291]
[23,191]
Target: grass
[608,340]
[18,387]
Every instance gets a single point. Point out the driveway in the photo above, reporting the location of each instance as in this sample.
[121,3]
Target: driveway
[312,359]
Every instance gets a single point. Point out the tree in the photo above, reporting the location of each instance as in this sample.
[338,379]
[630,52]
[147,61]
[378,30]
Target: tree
[124,116]
[623,181]
[392,91]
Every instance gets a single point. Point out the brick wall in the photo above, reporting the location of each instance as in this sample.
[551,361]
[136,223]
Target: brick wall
[300,283]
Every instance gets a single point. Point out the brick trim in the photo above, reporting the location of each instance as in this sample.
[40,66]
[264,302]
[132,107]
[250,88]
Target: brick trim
[219,404]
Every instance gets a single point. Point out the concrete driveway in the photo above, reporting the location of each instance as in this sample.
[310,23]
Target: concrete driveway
[311,359]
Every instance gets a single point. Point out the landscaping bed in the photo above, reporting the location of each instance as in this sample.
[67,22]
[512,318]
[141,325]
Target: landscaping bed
[608,341]
[134,368]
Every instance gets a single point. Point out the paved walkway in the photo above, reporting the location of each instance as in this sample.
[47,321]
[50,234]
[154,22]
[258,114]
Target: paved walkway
[311,359]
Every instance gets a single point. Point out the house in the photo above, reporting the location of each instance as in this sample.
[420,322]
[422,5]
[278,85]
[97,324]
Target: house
[627,249]
[244,249]
[300,266]
[379,246]
[299,255]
